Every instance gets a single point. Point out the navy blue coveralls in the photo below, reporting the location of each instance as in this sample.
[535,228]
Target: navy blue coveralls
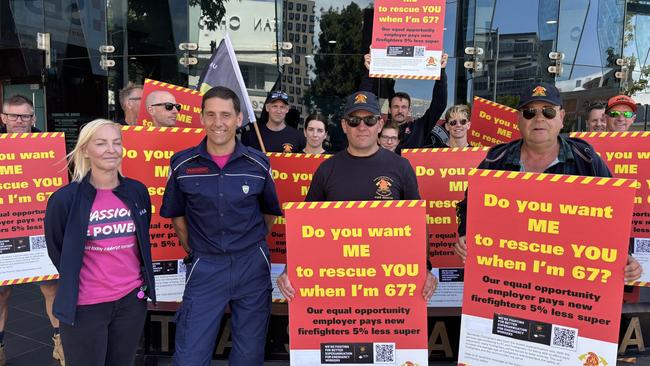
[226,232]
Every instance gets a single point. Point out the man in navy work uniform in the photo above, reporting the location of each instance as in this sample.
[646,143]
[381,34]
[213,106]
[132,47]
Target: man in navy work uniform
[221,197]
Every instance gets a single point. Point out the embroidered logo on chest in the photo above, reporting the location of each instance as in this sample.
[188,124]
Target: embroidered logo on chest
[383,184]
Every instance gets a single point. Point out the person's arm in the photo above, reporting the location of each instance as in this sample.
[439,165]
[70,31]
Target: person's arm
[180,227]
[438,96]
[56,216]
[366,81]
[269,220]
[422,126]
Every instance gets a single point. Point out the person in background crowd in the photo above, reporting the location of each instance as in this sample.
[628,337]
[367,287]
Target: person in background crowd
[595,117]
[315,133]
[163,109]
[363,172]
[414,132]
[221,198]
[97,234]
[276,134]
[18,117]
[542,149]
[389,136]
[620,113]
[457,125]
[130,98]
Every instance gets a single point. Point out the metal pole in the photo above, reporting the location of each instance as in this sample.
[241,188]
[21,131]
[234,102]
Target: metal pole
[496,69]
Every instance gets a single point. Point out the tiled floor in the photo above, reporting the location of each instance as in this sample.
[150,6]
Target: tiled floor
[28,334]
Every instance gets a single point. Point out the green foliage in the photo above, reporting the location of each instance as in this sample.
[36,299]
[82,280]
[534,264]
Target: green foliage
[212,11]
[508,99]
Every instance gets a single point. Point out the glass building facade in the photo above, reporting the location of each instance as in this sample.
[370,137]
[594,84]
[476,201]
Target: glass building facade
[328,39]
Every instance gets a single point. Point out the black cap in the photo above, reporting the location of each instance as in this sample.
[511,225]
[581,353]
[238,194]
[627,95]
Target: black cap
[362,101]
[543,92]
[278,95]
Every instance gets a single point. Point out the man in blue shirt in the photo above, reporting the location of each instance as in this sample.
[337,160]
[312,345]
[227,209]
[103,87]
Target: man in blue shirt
[221,198]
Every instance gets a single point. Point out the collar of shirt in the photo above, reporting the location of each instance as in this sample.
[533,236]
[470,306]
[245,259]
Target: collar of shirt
[565,154]
[202,150]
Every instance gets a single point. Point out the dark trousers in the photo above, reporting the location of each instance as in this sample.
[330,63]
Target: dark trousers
[105,334]
[241,281]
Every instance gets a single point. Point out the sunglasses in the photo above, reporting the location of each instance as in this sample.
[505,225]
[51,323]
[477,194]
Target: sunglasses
[616,114]
[547,112]
[279,95]
[368,121]
[169,106]
[462,122]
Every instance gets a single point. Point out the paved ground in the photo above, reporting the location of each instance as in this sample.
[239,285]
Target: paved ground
[28,335]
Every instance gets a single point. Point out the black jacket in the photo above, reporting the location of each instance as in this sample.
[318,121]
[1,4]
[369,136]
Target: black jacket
[576,157]
[66,224]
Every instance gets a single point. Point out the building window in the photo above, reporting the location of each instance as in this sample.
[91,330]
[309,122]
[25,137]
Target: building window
[291,5]
[297,71]
[290,69]
[290,37]
[304,29]
[284,77]
[290,16]
[299,80]
[311,29]
[312,18]
[296,60]
[304,38]
[304,17]
[306,82]
[291,89]
[290,78]
[298,91]
[291,99]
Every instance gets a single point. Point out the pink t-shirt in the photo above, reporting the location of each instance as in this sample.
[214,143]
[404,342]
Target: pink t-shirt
[111,264]
[220,160]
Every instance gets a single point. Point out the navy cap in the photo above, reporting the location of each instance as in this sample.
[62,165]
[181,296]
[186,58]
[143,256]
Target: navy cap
[543,92]
[362,101]
[278,95]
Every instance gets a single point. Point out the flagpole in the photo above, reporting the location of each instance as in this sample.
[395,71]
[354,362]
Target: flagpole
[259,136]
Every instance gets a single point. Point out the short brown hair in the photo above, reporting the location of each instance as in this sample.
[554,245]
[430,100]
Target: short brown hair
[126,92]
[18,99]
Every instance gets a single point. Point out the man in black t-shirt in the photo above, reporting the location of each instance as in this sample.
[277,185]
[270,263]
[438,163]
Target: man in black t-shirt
[276,134]
[363,172]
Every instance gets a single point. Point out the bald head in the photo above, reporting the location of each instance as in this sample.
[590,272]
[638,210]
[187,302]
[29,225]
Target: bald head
[161,105]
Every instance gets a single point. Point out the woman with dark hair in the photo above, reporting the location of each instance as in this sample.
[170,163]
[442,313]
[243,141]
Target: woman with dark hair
[97,234]
[315,132]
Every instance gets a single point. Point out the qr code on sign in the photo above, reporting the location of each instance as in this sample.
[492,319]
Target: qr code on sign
[384,352]
[418,51]
[641,245]
[564,337]
[37,242]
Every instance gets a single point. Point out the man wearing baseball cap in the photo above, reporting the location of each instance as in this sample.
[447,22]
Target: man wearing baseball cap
[363,172]
[276,134]
[542,150]
[620,113]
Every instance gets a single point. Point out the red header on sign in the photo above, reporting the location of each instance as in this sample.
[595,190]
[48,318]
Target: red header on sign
[147,151]
[492,123]
[189,99]
[292,174]
[548,248]
[358,270]
[32,167]
[442,180]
